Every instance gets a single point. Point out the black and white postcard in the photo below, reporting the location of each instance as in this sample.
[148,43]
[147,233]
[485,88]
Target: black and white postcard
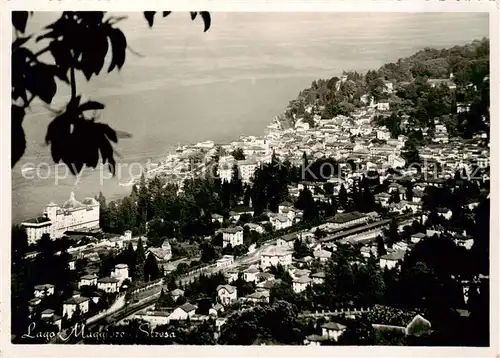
[260,176]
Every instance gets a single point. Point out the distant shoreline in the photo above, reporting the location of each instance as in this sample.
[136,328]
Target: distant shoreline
[22,192]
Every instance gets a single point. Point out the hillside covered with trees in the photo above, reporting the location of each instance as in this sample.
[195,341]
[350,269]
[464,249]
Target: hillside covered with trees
[421,90]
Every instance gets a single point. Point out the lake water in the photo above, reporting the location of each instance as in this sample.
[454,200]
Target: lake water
[190,86]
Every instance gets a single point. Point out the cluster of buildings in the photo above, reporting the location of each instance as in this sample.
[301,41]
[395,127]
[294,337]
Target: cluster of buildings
[286,216]
[412,324]
[94,287]
[56,220]
[225,295]
[347,139]
[110,244]
[90,288]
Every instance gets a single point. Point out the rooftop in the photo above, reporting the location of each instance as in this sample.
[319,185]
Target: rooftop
[419,235]
[88,277]
[270,284]
[232,230]
[333,326]
[265,275]
[394,256]
[188,307]
[315,338]
[320,274]
[302,279]
[276,251]
[281,217]
[159,252]
[289,237]
[75,300]
[38,220]
[44,286]
[259,294]
[158,313]
[228,288]
[322,253]
[108,280]
[342,218]
[252,270]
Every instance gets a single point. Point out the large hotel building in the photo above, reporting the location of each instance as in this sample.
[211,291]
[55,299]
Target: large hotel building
[56,220]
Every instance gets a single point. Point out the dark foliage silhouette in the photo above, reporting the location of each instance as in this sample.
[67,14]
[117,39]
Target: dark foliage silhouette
[78,42]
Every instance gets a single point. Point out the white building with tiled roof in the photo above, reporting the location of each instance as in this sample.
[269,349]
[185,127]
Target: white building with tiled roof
[108,284]
[183,312]
[162,254]
[225,261]
[44,290]
[318,278]
[88,280]
[390,260]
[280,221]
[70,305]
[322,255]
[332,330]
[232,236]
[300,284]
[275,255]
[247,169]
[49,316]
[250,274]
[36,227]
[226,294]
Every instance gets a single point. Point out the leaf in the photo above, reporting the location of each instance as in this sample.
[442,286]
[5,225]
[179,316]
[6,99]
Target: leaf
[40,81]
[62,57]
[91,105]
[119,46]
[19,20]
[94,50]
[112,166]
[206,19]
[108,132]
[48,35]
[100,52]
[20,41]
[166,13]
[21,60]
[93,156]
[106,151]
[18,138]
[79,142]
[193,15]
[57,28]
[58,133]
[150,17]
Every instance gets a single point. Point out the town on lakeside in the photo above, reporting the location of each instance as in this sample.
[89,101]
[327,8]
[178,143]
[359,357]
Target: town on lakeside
[359,218]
